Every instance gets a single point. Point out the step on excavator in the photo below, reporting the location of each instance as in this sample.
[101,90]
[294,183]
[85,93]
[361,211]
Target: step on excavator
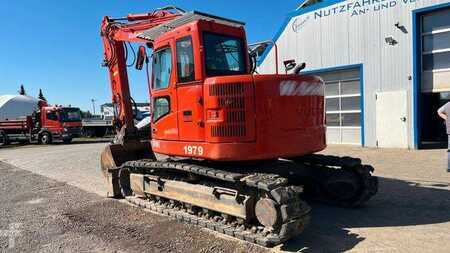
[228,149]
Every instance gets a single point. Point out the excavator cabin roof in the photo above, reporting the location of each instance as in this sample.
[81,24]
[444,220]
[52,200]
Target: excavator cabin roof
[153,33]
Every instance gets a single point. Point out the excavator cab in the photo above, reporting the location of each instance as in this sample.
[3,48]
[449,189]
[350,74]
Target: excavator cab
[183,59]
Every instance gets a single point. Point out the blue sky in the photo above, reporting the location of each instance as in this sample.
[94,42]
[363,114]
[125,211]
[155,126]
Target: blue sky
[55,45]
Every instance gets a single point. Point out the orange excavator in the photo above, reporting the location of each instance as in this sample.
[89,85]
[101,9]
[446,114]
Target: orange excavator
[229,149]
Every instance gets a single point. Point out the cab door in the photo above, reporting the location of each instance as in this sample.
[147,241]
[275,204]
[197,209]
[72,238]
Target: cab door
[164,95]
[50,121]
[189,91]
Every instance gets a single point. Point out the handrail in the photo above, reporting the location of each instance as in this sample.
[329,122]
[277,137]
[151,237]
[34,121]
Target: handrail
[276,50]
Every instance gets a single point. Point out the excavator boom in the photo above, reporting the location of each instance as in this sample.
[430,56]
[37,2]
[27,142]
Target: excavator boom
[116,33]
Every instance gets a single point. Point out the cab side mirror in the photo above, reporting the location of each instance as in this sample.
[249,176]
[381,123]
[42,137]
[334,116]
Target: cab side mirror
[289,65]
[141,58]
[300,68]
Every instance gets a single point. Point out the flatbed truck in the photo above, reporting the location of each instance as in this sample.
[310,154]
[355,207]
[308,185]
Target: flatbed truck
[96,127]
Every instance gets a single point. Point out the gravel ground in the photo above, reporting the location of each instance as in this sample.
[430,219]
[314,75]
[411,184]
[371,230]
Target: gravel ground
[411,212]
[51,216]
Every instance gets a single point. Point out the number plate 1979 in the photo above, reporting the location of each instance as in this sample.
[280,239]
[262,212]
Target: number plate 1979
[193,150]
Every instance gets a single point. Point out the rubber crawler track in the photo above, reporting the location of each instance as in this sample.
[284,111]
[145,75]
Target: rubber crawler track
[295,213]
[369,183]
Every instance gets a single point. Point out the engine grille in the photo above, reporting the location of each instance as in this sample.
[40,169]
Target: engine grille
[236,116]
[232,98]
[226,89]
[228,131]
[73,130]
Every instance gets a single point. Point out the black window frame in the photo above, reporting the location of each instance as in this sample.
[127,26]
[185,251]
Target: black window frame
[190,78]
[229,72]
[154,110]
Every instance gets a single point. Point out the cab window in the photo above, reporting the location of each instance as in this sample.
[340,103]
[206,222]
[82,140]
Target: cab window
[185,60]
[224,55]
[52,116]
[161,107]
[162,67]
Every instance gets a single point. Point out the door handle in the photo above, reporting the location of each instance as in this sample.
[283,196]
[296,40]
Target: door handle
[403,119]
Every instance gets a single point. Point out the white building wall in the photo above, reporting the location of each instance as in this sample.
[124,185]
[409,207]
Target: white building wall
[342,39]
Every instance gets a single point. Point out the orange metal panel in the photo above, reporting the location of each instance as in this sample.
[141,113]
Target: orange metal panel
[190,112]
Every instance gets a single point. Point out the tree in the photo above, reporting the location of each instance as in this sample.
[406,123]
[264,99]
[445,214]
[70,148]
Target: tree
[22,90]
[41,96]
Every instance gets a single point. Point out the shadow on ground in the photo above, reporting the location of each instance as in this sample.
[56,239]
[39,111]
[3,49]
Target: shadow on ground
[398,203]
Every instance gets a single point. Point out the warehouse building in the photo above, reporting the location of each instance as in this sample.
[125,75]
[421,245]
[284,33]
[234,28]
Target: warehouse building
[386,65]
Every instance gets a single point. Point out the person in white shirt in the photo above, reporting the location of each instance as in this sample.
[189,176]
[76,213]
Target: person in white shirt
[444,113]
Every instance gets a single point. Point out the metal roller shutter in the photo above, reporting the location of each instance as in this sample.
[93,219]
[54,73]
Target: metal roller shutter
[343,106]
[436,51]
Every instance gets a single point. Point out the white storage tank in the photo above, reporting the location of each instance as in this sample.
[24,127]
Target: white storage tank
[17,106]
